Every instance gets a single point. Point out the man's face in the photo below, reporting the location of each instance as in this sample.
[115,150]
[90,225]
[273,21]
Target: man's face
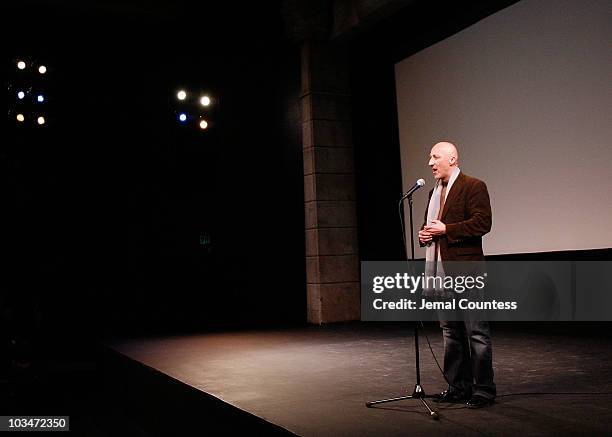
[441,163]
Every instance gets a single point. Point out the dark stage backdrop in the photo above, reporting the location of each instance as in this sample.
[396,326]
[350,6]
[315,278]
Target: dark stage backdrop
[115,219]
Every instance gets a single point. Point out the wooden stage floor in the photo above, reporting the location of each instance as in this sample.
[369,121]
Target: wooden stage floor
[314,381]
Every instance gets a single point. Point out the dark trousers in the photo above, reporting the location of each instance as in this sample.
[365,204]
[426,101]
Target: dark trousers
[468,357]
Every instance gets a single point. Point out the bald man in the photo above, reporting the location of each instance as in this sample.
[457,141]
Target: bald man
[457,216]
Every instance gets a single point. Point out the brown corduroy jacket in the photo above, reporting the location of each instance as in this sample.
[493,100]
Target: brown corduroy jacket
[467,216]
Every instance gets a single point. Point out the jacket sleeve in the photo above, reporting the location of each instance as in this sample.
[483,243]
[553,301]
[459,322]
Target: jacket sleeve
[479,217]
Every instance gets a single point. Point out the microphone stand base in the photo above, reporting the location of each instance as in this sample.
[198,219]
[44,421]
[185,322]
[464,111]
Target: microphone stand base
[417,393]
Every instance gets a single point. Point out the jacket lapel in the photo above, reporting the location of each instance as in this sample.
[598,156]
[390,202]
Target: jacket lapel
[452,194]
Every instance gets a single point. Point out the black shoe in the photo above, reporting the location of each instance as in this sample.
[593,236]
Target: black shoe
[478,401]
[450,396]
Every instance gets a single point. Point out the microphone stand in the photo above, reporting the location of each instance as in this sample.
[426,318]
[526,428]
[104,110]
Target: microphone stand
[418,392]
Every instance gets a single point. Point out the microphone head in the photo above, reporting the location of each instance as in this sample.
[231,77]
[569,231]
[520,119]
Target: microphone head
[421,182]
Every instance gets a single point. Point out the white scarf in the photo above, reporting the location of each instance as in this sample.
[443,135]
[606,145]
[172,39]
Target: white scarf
[433,211]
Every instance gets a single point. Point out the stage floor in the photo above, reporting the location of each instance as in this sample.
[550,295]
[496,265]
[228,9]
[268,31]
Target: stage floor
[314,381]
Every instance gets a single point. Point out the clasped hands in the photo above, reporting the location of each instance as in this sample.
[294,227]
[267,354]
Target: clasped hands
[435,229]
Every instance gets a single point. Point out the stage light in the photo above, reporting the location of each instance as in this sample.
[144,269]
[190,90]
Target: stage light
[21,65]
[203,124]
[42,69]
[181,95]
[40,98]
[20,118]
[182,117]
[20,95]
[40,120]
[205,101]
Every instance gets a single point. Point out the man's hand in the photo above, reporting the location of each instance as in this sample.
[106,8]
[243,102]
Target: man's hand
[424,237]
[435,229]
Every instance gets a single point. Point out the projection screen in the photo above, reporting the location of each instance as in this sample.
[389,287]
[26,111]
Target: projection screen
[526,96]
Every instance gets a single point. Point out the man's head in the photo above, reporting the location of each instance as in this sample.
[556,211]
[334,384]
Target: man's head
[443,159]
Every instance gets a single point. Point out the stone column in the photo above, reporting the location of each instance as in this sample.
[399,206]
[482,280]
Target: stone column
[332,262]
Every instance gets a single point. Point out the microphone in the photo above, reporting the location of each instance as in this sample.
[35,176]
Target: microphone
[418,184]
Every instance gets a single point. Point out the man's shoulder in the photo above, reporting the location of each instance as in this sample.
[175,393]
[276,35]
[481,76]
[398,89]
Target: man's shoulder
[472,181]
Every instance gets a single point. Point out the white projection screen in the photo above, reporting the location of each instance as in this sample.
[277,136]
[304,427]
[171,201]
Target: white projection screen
[526,96]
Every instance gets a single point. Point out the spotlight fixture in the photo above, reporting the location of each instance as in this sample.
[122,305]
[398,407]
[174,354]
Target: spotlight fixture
[28,92]
[192,107]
